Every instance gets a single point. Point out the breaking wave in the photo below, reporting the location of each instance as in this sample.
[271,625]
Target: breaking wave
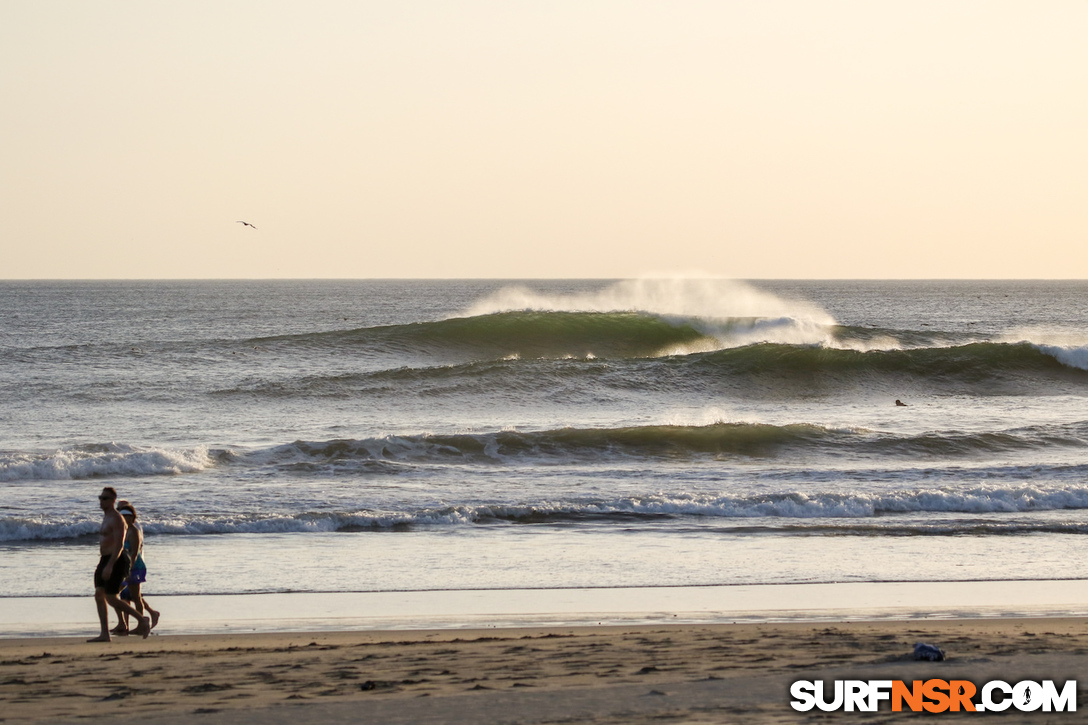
[1017,366]
[102,460]
[805,513]
[976,360]
[388,454]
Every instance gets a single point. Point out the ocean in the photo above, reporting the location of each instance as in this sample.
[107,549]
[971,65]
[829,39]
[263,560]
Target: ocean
[453,435]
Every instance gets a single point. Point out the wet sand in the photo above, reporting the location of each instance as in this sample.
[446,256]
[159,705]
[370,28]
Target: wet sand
[720,673]
[538,608]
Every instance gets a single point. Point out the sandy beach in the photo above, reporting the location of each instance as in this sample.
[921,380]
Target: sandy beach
[718,673]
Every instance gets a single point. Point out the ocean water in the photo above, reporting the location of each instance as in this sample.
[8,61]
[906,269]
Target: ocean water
[383,436]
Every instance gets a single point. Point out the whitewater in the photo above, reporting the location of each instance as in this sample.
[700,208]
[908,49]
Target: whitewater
[412,435]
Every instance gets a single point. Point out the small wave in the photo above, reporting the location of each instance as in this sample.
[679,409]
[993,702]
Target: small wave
[753,439]
[100,460]
[47,528]
[756,440]
[800,505]
[506,376]
[818,512]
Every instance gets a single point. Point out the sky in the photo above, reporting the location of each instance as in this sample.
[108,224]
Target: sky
[547,139]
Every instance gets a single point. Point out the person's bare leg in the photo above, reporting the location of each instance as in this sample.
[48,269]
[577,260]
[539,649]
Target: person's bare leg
[143,629]
[136,601]
[136,598]
[147,608]
[122,623]
[103,615]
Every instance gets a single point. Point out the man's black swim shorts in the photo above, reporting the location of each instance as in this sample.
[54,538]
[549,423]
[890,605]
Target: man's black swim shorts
[117,576]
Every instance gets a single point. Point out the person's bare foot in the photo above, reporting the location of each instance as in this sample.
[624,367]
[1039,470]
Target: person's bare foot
[100,638]
[154,619]
[144,629]
[120,631]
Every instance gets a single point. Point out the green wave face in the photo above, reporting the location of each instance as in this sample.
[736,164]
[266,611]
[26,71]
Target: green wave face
[515,353]
[754,440]
[971,361]
[519,334]
[557,334]
[746,439]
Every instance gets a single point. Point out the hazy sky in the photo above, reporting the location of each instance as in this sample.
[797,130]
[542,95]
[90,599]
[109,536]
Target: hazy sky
[555,138]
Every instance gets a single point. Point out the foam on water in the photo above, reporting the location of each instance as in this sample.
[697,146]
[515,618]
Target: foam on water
[104,460]
[728,312]
[668,441]
[719,299]
[1068,348]
[801,505]
[1074,357]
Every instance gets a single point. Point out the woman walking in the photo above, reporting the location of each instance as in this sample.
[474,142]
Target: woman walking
[134,547]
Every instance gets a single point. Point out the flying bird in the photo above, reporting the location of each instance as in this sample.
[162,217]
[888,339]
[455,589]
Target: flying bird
[246,223]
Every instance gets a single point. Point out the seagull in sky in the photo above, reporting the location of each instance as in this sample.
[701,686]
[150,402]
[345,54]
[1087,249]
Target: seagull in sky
[246,223]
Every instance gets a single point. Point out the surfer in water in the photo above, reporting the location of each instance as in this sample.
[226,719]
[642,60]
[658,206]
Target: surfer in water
[899,403]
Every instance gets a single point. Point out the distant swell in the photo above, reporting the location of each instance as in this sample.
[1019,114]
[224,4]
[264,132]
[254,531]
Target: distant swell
[568,443]
[604,445]
[667,441]
[809,512]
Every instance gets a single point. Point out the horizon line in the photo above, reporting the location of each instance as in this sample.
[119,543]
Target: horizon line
[541,279]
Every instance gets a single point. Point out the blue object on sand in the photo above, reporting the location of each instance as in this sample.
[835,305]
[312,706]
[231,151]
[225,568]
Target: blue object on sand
[931,652]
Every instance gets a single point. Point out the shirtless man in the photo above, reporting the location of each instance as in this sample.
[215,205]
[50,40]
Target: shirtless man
[113,568]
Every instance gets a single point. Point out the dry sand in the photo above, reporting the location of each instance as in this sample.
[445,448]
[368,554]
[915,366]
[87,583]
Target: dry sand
[639,674]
